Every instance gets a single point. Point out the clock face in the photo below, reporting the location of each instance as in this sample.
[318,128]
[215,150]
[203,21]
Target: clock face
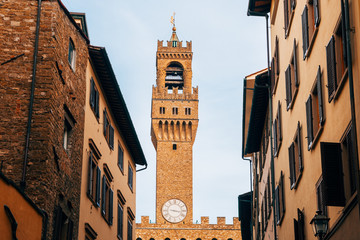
[174,210]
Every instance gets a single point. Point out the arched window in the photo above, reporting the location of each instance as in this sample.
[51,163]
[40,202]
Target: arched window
[174,76]
[152,239]
[183,239]
[138,239]
[214,239]
[198,239]
[167,238]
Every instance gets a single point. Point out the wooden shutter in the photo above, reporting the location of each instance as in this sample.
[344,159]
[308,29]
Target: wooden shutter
[292,165]
[320,198]
[70,229]
[130,180]
[111,137]
[316,12]
[305,30]
[277,58]
[92,93]
[97,103]
[286,15]
[296,229]
[279,124]
[301,222]
[319,94]
[98,178]
[272,75]
[275,137]
[293,4]
[90,176]
[103,196]
[277,205]
[120,158]
[331,164]
[309,121]
[129,230]
[105,123]
[281,196]
[120,222]
[298,137]
[111,195]
[296,78]
[331,67]
[288,87]
[343,33]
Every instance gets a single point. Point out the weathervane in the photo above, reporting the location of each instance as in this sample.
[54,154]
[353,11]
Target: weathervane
[172,20]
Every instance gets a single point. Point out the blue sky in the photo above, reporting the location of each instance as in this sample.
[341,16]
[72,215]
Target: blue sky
[227,46]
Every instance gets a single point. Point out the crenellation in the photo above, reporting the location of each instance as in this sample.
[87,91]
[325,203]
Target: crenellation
[160,92]
[169,48]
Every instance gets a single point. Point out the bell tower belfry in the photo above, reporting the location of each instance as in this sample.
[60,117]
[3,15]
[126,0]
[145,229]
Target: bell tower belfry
[174,124]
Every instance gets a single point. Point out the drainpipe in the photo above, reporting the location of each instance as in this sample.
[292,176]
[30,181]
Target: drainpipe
[351,89]
[251,200]
[36,49]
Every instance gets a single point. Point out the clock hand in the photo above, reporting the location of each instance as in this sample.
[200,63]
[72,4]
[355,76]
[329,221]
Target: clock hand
[174,210]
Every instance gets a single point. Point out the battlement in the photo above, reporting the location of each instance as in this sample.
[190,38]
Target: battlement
[160,92]
[170,48]
[221,224]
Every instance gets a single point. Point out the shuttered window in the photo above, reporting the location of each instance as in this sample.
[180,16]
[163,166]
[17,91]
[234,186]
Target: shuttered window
[94,98]
[310,20]
[331,68]
[279,201]
[299,226]
[319,97]
[130,177]
[289,7]
[288,87]
[277,132]
[291,79]
[309,122]
[120,223]
[130,230]
[120,158]
[94,172]
[111,137]
[332,173]
[108,130]
[63,225]
[305,30]
[295,159]
[107,200]
[275,67]
[320,197]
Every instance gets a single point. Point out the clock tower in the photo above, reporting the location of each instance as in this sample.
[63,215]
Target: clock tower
[174,121]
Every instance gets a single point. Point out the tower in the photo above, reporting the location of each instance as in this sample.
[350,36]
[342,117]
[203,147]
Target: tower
[174,124]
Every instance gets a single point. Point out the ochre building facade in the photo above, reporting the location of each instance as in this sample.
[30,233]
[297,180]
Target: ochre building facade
[173,131]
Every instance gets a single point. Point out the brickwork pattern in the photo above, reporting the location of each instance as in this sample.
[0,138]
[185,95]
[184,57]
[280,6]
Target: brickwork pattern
[53,173]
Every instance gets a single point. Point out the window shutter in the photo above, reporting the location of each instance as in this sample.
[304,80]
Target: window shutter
[275,137]
[320,198]
[120,158]
[286,15]
[301,167]
[58,222]
[331,164]
[130,180]
[111,194]
[293,4]
[98,177]
[288,86]
[292,165]
[90,176]
[309,121]
[296,230]
[70,230]
[319,94]
[277,58]
[92,93]
[97,104]
[129,230]
[281,196]
[296,79]
[111,137]
[105,122]
[331,67]
[277,205]
[120,222]
[343,32]
[272,74]
[301,223]
[316,12]
[305,30]
[103,196]
[279,125]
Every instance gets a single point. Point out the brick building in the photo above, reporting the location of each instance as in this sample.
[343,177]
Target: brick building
[302,124]
[173,131]
[46,67]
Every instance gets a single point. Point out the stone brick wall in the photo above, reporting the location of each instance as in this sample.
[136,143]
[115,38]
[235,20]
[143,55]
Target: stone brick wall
[53,173]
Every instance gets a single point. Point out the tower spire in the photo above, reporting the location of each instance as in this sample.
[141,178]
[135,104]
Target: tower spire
[174,38]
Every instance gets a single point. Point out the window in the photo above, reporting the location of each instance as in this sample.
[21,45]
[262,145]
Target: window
[108,130]
[63,228]
[336,58]
[71,54]
[310,20]
[268,191]
[295,158]
[120,222]
[174,146]
[349,163]
[94,98]
[279,200]
[131,218]
[289,7]
[69,124]
[107,196]
[314,111]
[162,110]
[299,226]
[90,233]
[187,111]
[130,177]
[291,79]
[277,133]
[175,111]
[275,67]
[120,158]
[94,176]
[320,196]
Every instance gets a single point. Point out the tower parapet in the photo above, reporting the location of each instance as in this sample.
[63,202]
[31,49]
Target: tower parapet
[169,48]
[160,92]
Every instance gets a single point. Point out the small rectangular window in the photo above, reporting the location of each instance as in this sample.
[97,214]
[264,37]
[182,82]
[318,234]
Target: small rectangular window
[299,224]
[94,176]
[320,197]
[175,111]
[279,200]
[94,98]
[120,223]
[187,111]
[174,146]
[162,110]
[295,159]
[108,130]
[130,177]
[107,200]
[69,124]
[71,54]
[289,7]
[130,229]
[291,79]
[120,158]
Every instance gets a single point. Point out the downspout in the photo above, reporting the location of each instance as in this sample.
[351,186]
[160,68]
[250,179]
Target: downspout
[36,49]
[272,167]
[352,100]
